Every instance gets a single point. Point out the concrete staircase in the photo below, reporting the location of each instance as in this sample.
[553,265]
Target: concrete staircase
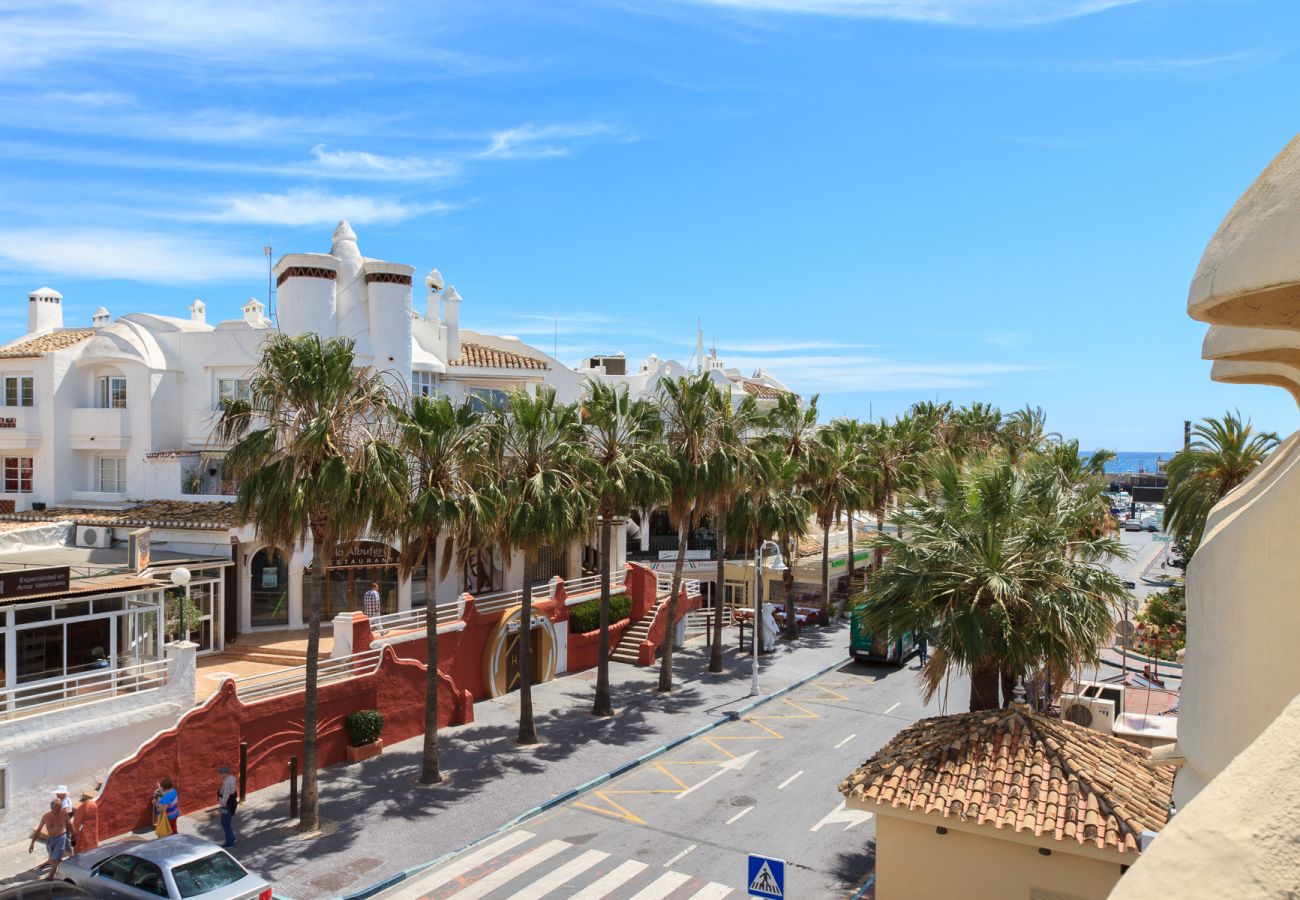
[629,646]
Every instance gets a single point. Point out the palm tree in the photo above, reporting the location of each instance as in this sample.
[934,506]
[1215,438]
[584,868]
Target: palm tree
[1222,454]
[791,432]
[1025,431]
[1001,568]
[890,463]
[685,408]
[540,465]
[623,438]
[443,444]
[850,436]
[976,429]
[834,483]
[312,455]
[731,462]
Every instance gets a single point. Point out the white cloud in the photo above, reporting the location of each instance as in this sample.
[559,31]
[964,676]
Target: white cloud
[88,98]
[136,256]
[360,164]
[976,13]
[829,374]
[311,207]
[529,141]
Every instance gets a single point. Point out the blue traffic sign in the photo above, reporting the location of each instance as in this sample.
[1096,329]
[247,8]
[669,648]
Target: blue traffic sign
[766,877]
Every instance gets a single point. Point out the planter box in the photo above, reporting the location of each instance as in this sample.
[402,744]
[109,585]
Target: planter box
[356,754]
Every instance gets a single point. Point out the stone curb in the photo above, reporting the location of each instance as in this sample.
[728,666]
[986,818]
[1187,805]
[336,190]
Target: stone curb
[568,795]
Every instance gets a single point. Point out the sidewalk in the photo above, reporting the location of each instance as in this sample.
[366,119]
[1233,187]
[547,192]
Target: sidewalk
[379,821]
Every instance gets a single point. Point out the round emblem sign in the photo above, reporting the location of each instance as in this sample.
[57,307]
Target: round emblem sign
[501,655]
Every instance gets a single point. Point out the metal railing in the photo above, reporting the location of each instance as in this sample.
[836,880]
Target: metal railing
[413,619]
[42,697]
[664,583]
[590,584]
[490,603]
[289,680]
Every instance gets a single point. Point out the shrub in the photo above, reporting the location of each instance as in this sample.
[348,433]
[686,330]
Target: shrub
[585,616]
[364,727]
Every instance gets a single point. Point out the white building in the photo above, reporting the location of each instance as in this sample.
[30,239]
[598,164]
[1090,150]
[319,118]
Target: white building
[110,425]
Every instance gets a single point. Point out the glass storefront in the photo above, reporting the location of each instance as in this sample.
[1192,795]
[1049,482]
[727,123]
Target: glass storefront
[358,566]
[71,637]
[269,588]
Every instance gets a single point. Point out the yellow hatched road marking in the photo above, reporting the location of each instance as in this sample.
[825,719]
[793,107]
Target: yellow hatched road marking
[659,769]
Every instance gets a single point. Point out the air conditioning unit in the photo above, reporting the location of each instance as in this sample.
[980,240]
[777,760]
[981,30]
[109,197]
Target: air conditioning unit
[1094,705]
[94,536]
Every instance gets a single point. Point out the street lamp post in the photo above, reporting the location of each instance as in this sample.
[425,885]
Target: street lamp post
[181,578]
[777,566]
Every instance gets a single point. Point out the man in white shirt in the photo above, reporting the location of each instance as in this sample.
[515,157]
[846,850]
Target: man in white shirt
[228,798]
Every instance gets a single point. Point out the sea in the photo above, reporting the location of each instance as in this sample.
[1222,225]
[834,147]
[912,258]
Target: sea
[1135,460]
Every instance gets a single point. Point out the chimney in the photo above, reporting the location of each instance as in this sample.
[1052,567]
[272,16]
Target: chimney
[101,318]
[44,310]
[197,312]
[434,282]
[253,313]
[451,319]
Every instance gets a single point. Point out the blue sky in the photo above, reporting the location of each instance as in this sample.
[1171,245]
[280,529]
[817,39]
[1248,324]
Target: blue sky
[882,201]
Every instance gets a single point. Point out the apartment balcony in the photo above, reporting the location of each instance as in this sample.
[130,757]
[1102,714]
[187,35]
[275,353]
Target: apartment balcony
[20,428]
[99,429]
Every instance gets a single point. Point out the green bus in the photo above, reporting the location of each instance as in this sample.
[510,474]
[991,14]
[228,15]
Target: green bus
[864,649]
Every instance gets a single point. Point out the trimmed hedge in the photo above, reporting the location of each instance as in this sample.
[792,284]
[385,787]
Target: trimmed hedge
[585,616]
[364,727]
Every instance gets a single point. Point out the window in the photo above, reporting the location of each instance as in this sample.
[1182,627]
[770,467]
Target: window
[19,390]
[147,877]
[423,384]
[207,874]
[112,474]
[486,399]
[231,389]
[18,474]
[117,869]
[112,392]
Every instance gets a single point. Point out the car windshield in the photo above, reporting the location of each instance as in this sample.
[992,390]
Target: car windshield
[207,874]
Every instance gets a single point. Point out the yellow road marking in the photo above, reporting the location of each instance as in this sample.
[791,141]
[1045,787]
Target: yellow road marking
[659,769]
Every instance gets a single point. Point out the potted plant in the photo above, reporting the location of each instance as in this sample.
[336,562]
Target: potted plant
[364,729]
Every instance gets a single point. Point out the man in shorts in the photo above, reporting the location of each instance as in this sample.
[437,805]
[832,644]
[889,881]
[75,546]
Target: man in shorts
[55,825]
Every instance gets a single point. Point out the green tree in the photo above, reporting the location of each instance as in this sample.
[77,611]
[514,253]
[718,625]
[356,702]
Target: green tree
[834,484]
[539,463]
[890,463]
[731,463]
[684,406]
[444,444]
[1222,454]
[790,435]
[313,455]
[624,439]
[1000,567]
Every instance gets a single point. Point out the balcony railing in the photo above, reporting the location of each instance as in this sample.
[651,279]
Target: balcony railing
[664,583]
[42,697]
[287,681]
[660,542]
[414,619]
[576,588]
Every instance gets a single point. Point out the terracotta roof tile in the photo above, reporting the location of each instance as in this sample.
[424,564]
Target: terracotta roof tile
[153,513]
[758,388]
[484,357]
[1014,768]
[46,343]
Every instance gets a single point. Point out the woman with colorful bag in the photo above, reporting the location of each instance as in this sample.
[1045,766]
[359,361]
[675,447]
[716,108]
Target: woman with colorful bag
[168,805]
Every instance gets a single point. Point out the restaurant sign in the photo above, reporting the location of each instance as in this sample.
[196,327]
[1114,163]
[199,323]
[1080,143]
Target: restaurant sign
[362,554]
[18,583]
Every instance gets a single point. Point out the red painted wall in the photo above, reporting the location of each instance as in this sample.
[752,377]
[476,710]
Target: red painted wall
[209,736]
[584,649]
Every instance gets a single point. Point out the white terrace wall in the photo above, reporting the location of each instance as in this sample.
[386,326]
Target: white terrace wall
[76,746]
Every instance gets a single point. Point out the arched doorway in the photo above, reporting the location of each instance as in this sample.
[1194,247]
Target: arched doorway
[501,655]
[268,588]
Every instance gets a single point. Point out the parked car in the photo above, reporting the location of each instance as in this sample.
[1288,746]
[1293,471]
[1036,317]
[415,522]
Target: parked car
[42,890]
[1133,525]
[175,867]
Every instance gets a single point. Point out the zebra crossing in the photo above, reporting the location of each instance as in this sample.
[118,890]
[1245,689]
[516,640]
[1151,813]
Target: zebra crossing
[521,866]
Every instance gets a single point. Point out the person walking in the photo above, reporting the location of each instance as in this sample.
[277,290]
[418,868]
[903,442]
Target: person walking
[228,800]
[65,803]
[370,603]
[923,645]
[85,823]
[168,802]
[55,825]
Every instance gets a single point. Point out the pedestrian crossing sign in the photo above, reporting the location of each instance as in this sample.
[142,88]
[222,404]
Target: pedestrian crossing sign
[766,877]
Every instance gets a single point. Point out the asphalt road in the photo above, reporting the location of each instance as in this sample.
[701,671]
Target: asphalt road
[684,824]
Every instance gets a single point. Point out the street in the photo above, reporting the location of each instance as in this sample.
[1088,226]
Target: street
[683,824]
